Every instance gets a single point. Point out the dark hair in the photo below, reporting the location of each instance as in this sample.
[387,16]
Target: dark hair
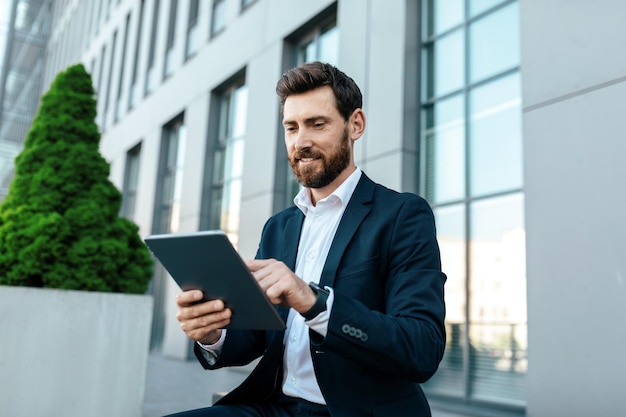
[313,75]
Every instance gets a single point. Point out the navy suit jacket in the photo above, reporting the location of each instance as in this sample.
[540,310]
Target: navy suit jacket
[386,330]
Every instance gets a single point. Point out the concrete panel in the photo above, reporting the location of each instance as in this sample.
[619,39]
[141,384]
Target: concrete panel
[576,228]
[72,353]
[263,118]
[571,45]
[386,170]
[254,213]
[385,85]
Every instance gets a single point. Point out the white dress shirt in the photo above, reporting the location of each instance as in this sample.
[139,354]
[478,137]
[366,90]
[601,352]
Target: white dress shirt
[318,231]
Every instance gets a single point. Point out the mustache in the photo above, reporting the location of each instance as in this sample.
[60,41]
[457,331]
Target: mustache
[306,153]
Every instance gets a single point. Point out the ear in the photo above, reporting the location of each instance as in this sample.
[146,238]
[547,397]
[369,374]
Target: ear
[357,124]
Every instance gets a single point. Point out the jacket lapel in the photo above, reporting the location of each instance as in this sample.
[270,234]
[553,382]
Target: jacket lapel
[291,239]
[358,208]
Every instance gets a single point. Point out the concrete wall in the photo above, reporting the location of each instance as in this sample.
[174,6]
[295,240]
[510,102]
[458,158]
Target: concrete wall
[574,92]
[72,353]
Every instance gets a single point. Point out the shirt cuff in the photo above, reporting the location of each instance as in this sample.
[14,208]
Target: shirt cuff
[217,346]
[213,351]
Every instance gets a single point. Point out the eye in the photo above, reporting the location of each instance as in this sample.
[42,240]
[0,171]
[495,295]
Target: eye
[319,125]
[290,129]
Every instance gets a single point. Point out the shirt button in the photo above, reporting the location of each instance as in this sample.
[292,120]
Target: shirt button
[292,380]
[294,338]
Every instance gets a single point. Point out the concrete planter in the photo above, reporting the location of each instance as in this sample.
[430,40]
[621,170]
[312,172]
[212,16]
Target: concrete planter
[72,353]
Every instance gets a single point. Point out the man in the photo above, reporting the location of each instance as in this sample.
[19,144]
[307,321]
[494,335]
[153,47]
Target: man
[353,267]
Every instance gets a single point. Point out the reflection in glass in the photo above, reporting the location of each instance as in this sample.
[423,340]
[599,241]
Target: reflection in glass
[496,136]
[218,18]
[450,221]
[444,140]
[131,183]
[191,46]
[479,6]
[228,162]
[328,45]
[441,15]
[498,299]
[472,168]
[171,180]
[320,45]
[494,43]
[445,62]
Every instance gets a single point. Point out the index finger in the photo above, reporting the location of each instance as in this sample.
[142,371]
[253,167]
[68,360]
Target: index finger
[256,264]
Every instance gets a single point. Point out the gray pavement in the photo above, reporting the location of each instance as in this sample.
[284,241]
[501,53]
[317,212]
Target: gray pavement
[173,385]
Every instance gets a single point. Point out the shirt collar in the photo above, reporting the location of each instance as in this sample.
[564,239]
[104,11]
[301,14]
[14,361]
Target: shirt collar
[342,193]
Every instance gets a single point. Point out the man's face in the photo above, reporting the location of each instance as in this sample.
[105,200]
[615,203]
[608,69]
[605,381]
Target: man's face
[317,138]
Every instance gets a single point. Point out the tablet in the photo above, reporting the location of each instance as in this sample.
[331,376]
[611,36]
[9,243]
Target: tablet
[207,261]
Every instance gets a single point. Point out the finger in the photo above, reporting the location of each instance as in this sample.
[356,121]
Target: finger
[202,333]
[206,323]
[256,264]
[192,311]
[188,297]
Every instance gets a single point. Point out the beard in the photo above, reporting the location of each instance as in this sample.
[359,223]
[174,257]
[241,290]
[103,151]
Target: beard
[332,165]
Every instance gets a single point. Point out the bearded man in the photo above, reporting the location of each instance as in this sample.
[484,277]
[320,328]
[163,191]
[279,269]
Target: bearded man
[353,268]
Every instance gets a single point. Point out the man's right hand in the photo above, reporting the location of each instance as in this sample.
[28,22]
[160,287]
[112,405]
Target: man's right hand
[202,322]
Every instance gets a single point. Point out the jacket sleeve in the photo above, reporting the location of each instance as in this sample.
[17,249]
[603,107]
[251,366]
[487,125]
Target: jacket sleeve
[399,329]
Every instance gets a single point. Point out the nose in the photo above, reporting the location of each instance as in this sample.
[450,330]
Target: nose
[302,140]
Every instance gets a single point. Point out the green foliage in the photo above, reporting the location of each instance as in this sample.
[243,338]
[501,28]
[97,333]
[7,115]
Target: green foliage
[59,223]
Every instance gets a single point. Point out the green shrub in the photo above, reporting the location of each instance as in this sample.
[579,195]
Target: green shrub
[59,223]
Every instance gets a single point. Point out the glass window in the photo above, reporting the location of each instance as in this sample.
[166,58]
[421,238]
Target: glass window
[444,141]
[246,3]
[132,96]
[131,182]
[107,94]
[101,70]
[192,29]
[170,177]
[496,136]
[171,37]
[445,59]
[150,74]
[451,235]
[321,44]
[498,302]
[479,6]
[490,54]
[471,142]
[442,15]
[120,84]
[218,17]
[228,161]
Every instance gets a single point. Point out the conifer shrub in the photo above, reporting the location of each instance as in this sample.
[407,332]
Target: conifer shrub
[59,223]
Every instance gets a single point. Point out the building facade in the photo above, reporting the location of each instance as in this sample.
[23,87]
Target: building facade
[24,29]
[503,114]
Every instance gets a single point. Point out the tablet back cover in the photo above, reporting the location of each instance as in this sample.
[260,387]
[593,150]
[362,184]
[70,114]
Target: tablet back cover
[206,260]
